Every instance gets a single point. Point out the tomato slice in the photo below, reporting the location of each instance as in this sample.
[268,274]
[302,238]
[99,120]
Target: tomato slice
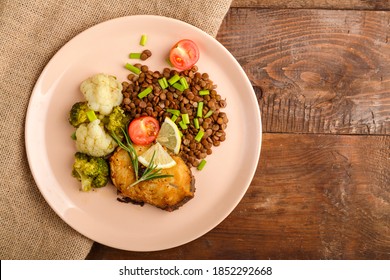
[184,54]
[143,130]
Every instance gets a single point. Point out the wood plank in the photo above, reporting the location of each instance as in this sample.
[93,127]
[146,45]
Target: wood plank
[315,71]
[314,4]
[312,197]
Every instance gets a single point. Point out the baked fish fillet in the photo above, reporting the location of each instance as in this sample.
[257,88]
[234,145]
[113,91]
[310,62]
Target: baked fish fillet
[165,193]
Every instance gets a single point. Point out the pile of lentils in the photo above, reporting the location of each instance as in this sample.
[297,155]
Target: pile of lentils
[157,102]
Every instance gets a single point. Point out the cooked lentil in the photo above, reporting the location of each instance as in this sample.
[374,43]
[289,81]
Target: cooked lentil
[146,54]
[156,103]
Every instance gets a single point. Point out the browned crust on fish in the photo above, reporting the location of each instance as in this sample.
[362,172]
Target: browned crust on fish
[166,193]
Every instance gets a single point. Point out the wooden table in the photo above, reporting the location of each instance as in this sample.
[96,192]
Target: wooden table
[321,73]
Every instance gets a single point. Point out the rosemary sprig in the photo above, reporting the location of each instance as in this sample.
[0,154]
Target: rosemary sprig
[129,148]
[151,171]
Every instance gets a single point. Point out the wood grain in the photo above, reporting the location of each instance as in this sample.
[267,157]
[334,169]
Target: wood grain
[312,197]
[314,4]
[315,71]
[321,73]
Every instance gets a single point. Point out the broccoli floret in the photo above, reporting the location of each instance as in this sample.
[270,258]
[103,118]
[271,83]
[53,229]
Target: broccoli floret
[116,121]
[78,114]
[93,172]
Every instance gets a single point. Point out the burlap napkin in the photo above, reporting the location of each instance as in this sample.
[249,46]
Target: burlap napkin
[31,32]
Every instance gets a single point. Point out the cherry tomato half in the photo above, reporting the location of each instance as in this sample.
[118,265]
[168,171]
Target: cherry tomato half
[184,54]
[143,130]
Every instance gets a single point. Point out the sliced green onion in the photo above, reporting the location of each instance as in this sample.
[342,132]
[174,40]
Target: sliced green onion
[204,92]
[91,115]
[163,83]
[135,55]
[178,86]
[196,123]
[208,114]
[180,133]
[174,118]
[183,82]
[174,79]
[145,92]
[201,164]
[173,112]
[132,68]
[143,40]
[199,136]
[73,136]
[185,118]
[183,125]
[199,110]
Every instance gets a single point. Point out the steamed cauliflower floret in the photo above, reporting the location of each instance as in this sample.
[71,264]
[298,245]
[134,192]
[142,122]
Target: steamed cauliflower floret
[92,139]
[103,92]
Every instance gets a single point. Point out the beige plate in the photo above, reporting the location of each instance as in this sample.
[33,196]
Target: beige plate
[98,215]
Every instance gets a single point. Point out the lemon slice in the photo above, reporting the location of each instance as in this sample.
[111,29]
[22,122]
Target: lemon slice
[169,136]
[161,157]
